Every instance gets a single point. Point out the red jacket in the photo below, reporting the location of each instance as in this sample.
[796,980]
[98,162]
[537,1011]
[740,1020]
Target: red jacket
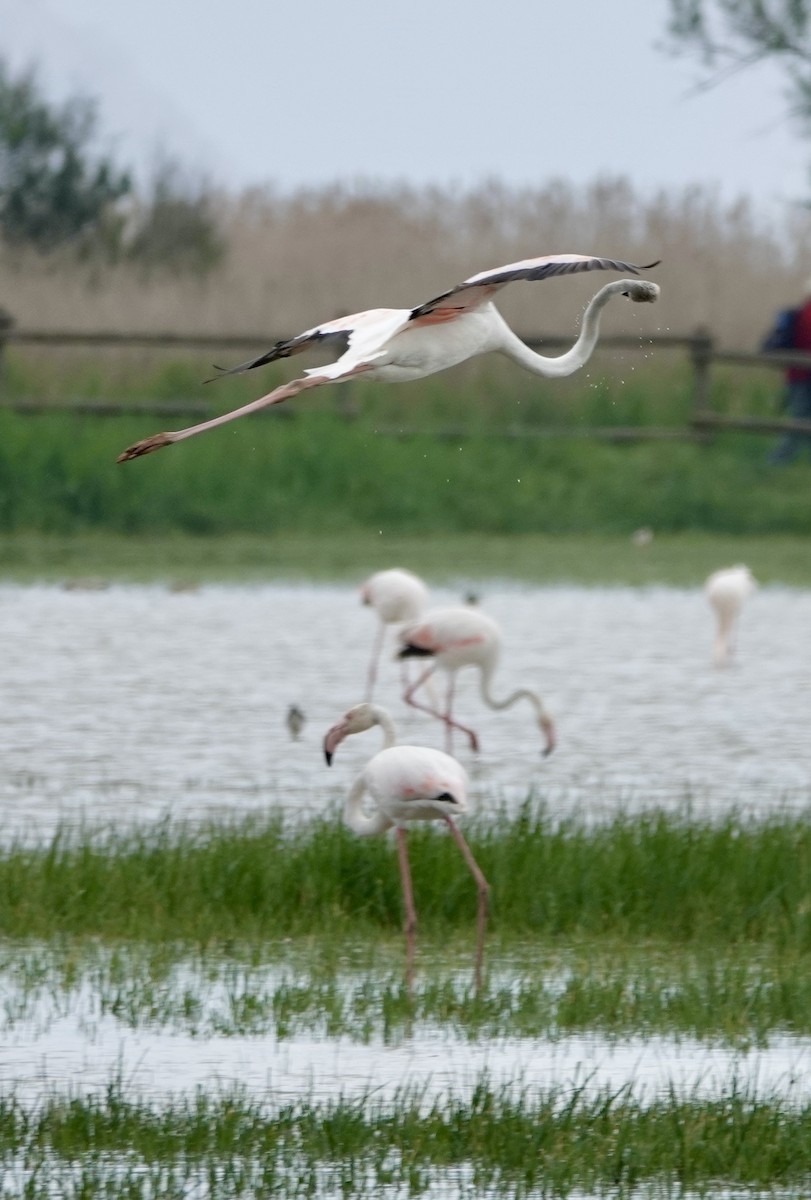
[801,340]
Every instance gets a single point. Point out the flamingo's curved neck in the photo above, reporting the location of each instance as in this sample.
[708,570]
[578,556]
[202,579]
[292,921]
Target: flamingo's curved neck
[520,694]
[382,718]
[360,822]
[364,824]
[581,351]
[545,722]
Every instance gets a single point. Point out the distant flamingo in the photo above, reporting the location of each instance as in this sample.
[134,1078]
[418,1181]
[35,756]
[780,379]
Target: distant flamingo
[460,637]
[400,344]
[727,590]
[396,596]
[408,783]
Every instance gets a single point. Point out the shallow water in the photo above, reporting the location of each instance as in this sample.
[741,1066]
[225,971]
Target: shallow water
[135,703]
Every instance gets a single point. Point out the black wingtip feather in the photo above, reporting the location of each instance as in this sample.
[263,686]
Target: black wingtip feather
[410,651]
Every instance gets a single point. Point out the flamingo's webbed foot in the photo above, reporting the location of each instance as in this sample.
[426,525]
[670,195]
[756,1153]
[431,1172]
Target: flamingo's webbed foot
[146,446]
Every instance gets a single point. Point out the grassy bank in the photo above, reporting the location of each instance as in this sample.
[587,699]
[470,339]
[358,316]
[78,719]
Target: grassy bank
[651,877]
[231,1145]
[681,560]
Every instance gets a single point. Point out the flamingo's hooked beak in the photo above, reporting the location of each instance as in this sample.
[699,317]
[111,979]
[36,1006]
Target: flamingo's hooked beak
[548,730]
[333,738]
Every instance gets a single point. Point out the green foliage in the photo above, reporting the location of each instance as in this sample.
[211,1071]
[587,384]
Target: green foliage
[320,474]
[53,190]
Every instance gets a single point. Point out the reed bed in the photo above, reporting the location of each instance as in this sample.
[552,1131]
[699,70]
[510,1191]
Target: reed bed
[518,1144]
[293,259]
[688,882]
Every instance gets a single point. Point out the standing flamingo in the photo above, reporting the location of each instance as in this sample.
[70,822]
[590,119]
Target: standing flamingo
[400,344]
[727,590]
[396,596]
[408,783]
[459,637]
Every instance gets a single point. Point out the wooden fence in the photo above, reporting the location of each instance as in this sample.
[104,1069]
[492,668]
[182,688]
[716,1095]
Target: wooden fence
[699,347]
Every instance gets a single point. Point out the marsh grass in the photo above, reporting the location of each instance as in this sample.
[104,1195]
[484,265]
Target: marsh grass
[655,875]
[504,1138]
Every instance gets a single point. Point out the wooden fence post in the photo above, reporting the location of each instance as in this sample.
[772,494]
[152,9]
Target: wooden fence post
[6,322]
[702,349]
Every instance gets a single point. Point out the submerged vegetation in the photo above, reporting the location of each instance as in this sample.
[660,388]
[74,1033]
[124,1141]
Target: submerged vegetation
[737,996]
[512,1141]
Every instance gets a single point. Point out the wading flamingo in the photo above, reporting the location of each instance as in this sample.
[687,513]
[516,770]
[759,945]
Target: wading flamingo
[408,783]
[727,590]
[396,596]
[400,344]
[459,637]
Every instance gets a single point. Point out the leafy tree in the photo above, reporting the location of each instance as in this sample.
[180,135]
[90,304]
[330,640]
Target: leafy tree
[731,35]
[52,189]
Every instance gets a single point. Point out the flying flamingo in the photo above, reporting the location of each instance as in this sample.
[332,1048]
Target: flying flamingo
[727,590]
[400,344]
[396,596]
[408,783]
[459,637]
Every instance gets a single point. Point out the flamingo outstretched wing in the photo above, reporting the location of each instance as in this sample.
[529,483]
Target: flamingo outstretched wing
[331,333]
[480,287]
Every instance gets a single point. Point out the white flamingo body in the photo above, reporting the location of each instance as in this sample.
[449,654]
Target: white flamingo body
[727,591]
[416,351]
[396,596]
[457,637]
[402,344]
[406,784]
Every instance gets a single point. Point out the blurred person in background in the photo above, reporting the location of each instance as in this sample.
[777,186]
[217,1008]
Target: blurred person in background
[792,331]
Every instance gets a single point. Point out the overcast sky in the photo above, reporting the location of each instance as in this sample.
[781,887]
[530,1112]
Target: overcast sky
[446,91]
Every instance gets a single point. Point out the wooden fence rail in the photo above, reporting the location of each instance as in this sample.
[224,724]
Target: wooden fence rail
[699,346]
